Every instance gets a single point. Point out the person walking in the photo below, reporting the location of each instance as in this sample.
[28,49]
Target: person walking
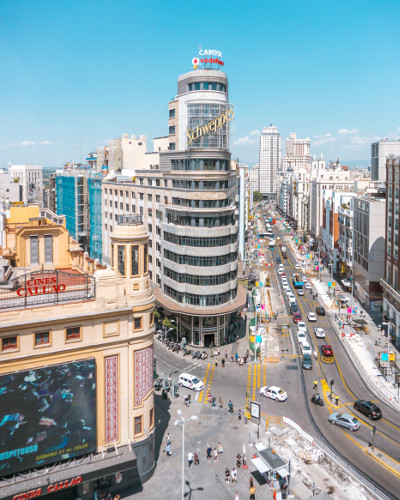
[252,492]
[234,476]
[168,438]
[237,496]
[221,404]
[315,384]
[196,459]
[220,449]
[215,455]
[209,451]
[227,475]
[168,450]
[190,458]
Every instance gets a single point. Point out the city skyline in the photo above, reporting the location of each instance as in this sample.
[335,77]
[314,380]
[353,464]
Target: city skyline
[77,76]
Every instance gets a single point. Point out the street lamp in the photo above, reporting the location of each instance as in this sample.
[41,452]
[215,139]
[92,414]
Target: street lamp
[182,421]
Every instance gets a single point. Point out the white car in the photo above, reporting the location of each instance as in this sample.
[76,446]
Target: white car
[311,316]
[297,266]
[304,279]
[280,271]
[190,381]
[300,291]
[286,288]
[301,336]
[302,326]
[306,349]
[308,286]
[273,392]
[319,333]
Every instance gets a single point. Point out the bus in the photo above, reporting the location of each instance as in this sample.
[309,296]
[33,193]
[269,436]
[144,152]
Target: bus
[297,281]
[271,244]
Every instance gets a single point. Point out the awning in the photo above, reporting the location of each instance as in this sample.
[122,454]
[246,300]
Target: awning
[283,472]
[360,321]
[260,465]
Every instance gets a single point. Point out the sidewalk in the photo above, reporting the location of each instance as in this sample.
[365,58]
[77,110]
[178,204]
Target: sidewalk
[362,347]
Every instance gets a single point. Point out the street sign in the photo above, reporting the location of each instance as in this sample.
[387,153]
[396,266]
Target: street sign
[259,338]
[252,338]
[255,409]
[329,283]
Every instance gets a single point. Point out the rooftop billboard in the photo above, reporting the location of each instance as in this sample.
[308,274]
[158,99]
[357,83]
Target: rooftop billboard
[47,415]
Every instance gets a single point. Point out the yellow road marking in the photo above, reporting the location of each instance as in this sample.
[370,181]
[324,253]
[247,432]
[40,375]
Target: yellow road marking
[254,382]
[264,375]
[210,379]
[204,383]
[383,464]
[259,375]
[341,376]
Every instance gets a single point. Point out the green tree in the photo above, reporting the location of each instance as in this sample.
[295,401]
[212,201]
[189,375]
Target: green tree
[257,196]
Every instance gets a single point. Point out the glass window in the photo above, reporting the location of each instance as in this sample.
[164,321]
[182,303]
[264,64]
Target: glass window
[121,260]
[172,113]
[34,242]
[172,129]
[73,333]
[48,249]
[138,323]
[9,343]
[151,417]
[135,260]
[145,254]
[138,425]
[42,338]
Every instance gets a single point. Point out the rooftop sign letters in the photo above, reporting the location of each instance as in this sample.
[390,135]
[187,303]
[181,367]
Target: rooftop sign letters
[208,59]
[211,126]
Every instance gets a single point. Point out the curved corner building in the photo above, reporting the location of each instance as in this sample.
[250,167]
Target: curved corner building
[199,232]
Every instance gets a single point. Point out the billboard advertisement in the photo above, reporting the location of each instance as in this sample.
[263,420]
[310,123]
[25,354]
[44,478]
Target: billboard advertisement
[47,415]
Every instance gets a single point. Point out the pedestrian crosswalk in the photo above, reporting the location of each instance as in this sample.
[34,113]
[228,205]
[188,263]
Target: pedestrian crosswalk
[256,378]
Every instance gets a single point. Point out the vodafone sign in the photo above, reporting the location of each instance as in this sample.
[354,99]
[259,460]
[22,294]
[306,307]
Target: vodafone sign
[208,59]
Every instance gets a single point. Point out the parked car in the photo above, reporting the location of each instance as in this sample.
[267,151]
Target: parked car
[319,333]
[306,362]
[308,286]
[344,420]
[278,260]
[302,326]
[311,316]
[327,350]
[368,408]
[297,266]
[274,392]
[300,291]
[320,311]
[190,381]
[280,271]
[297,317]
[301,336]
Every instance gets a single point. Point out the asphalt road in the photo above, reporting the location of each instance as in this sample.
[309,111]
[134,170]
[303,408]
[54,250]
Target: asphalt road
[241,384]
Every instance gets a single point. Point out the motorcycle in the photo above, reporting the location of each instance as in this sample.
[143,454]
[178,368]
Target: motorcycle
[317,400]
[204,355]
[158,384]
[187,400]
[196,355]
[186,352]
[164,394]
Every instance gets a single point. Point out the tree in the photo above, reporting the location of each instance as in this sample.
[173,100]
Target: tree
[257,196]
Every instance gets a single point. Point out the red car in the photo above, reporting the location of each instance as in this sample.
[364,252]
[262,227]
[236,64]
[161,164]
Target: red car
[296,317]
[327,350]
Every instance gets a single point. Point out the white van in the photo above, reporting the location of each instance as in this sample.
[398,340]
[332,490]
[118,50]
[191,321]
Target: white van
[190,381]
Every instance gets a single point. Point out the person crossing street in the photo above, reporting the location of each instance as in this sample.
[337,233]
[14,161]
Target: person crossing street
[315,384]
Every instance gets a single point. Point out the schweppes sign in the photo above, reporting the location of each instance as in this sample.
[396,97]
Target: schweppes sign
[211,126]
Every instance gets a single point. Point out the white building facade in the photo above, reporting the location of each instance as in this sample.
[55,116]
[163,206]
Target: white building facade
[269,160]
[30,177]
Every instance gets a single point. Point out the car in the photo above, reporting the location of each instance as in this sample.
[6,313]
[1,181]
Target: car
[278,260]
[297,266]
[306,362]
[304,279]
[297,317]
[300,291]
[280,271]
[369,409]
[311,316]
[305,348]
[308,286]
[286,288]
[190,381]
[293,308]
[301,336]
[320,311]
[344,420]
[319,333]
[302,326]
[273,392]
[327,350]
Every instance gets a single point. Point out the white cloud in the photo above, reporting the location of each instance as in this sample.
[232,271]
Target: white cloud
[24,144]
[257,132]
[46,142]
[323,139]
[359,142]
[346,131]
[245,141]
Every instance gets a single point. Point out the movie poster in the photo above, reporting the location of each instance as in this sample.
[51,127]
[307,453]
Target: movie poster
[47,415]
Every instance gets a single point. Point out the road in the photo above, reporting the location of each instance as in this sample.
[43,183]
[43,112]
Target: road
[241,384]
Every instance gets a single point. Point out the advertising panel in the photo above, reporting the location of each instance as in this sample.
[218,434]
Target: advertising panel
[47,415]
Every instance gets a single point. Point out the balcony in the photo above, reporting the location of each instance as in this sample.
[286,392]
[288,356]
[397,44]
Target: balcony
[392,295]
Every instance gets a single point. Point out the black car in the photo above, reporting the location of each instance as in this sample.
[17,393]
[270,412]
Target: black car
[320,311]
[293,309]
[307,362]
[368,408]
[278,260]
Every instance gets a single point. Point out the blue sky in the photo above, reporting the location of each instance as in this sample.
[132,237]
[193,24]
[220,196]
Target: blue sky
[75,74]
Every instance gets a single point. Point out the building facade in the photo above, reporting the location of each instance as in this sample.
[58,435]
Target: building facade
[30,177]
[380,150]
[76,363]
[269,160]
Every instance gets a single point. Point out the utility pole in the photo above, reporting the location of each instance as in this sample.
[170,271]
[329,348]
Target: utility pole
[373,436]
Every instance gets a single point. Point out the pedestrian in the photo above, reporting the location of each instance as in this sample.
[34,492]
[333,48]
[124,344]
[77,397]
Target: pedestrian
[221,404]
[238,460]
[252,493]
[196,459]
[234,476]
[226,353]
[236,357]
[237,496]
[315,384]
[232,358]
[190,458]
[215,455]
[220,449]
[168,450]
[227,475]
[209,451]
[251,482]
[240,414]
[168,438]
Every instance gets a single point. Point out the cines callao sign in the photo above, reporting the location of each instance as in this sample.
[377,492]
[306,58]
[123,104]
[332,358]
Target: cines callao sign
[211,126]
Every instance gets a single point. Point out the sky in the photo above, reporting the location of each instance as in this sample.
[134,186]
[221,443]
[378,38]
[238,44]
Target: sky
[76,74]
